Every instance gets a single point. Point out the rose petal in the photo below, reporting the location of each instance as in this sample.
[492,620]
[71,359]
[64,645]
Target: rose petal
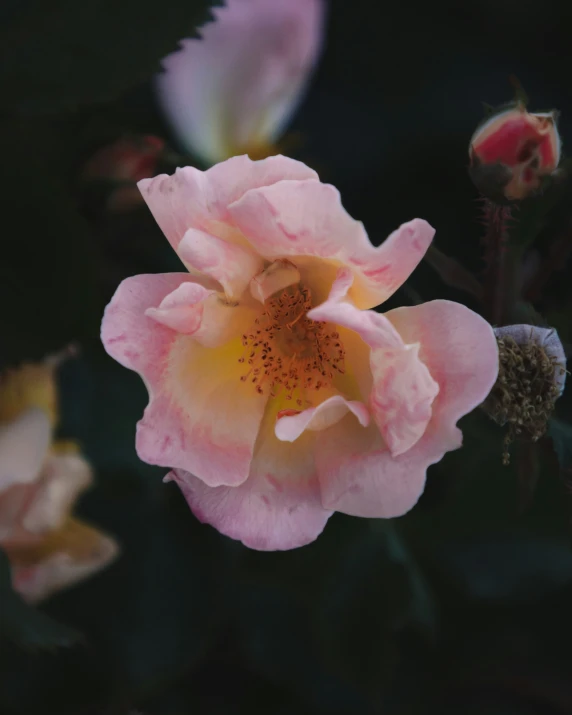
[306,218]
[195,199]
[65,557]
[223,320]
[201,418]
[289,427]
[374,328]
[27,510]
[356,380]
[13,502]
[279,275]
[182,310]
[23,447]
[238,85]
[358,475]
[133,338]
[63,478]
[460,350]
[211,318]
[233,266]
[402,395]
[403,390]
[277,508]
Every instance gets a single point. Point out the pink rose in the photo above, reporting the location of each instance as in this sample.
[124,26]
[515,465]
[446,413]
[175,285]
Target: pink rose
[276,395]
[234,90]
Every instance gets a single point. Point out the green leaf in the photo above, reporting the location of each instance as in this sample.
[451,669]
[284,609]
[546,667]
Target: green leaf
[25,626]
[58,55]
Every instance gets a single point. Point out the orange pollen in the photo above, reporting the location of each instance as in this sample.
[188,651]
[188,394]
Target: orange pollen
[285,350]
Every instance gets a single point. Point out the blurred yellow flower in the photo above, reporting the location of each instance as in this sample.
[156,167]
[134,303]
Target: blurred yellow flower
[40,481]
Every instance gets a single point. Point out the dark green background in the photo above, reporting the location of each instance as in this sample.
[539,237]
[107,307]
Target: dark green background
[462,606]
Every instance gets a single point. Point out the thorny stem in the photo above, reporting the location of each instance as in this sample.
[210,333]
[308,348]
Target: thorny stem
[495,241]
[500,289]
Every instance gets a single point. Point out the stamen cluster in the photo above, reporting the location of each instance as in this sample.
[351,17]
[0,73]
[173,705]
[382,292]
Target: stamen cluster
[286,350]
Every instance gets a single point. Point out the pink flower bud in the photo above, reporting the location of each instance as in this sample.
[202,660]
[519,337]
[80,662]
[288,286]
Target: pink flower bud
[512,151]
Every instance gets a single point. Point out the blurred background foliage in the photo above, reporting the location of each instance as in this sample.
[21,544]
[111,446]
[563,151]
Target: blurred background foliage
[463,605]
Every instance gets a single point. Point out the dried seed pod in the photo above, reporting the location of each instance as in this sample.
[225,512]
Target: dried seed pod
[532,373]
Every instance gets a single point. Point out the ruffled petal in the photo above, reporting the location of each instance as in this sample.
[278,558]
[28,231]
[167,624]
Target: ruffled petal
[402,395]
[211,318]
[290,424]
[358,474]
[277,508]
[233,266]
[374,328]
[460,350]
[63,479]
[133,338]
[306,218]
[237,86]
[278,275]
[64,557]
[402,390]
[191,198]
[182,310]
[23,447]
[201,417]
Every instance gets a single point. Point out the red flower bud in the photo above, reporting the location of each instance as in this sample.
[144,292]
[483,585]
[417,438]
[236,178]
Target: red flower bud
[512,151]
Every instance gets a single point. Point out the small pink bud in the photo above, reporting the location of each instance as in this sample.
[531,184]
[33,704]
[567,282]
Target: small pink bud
[512,151]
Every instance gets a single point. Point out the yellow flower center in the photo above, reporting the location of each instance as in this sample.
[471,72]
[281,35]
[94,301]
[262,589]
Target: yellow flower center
[286,351]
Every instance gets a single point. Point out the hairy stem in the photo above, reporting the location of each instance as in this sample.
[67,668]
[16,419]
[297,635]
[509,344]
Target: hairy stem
[502,264]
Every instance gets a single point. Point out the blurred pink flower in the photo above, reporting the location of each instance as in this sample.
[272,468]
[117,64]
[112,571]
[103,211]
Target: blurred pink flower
[276,395]
[234,90]
[130,158]
[122,164]
[40,482]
